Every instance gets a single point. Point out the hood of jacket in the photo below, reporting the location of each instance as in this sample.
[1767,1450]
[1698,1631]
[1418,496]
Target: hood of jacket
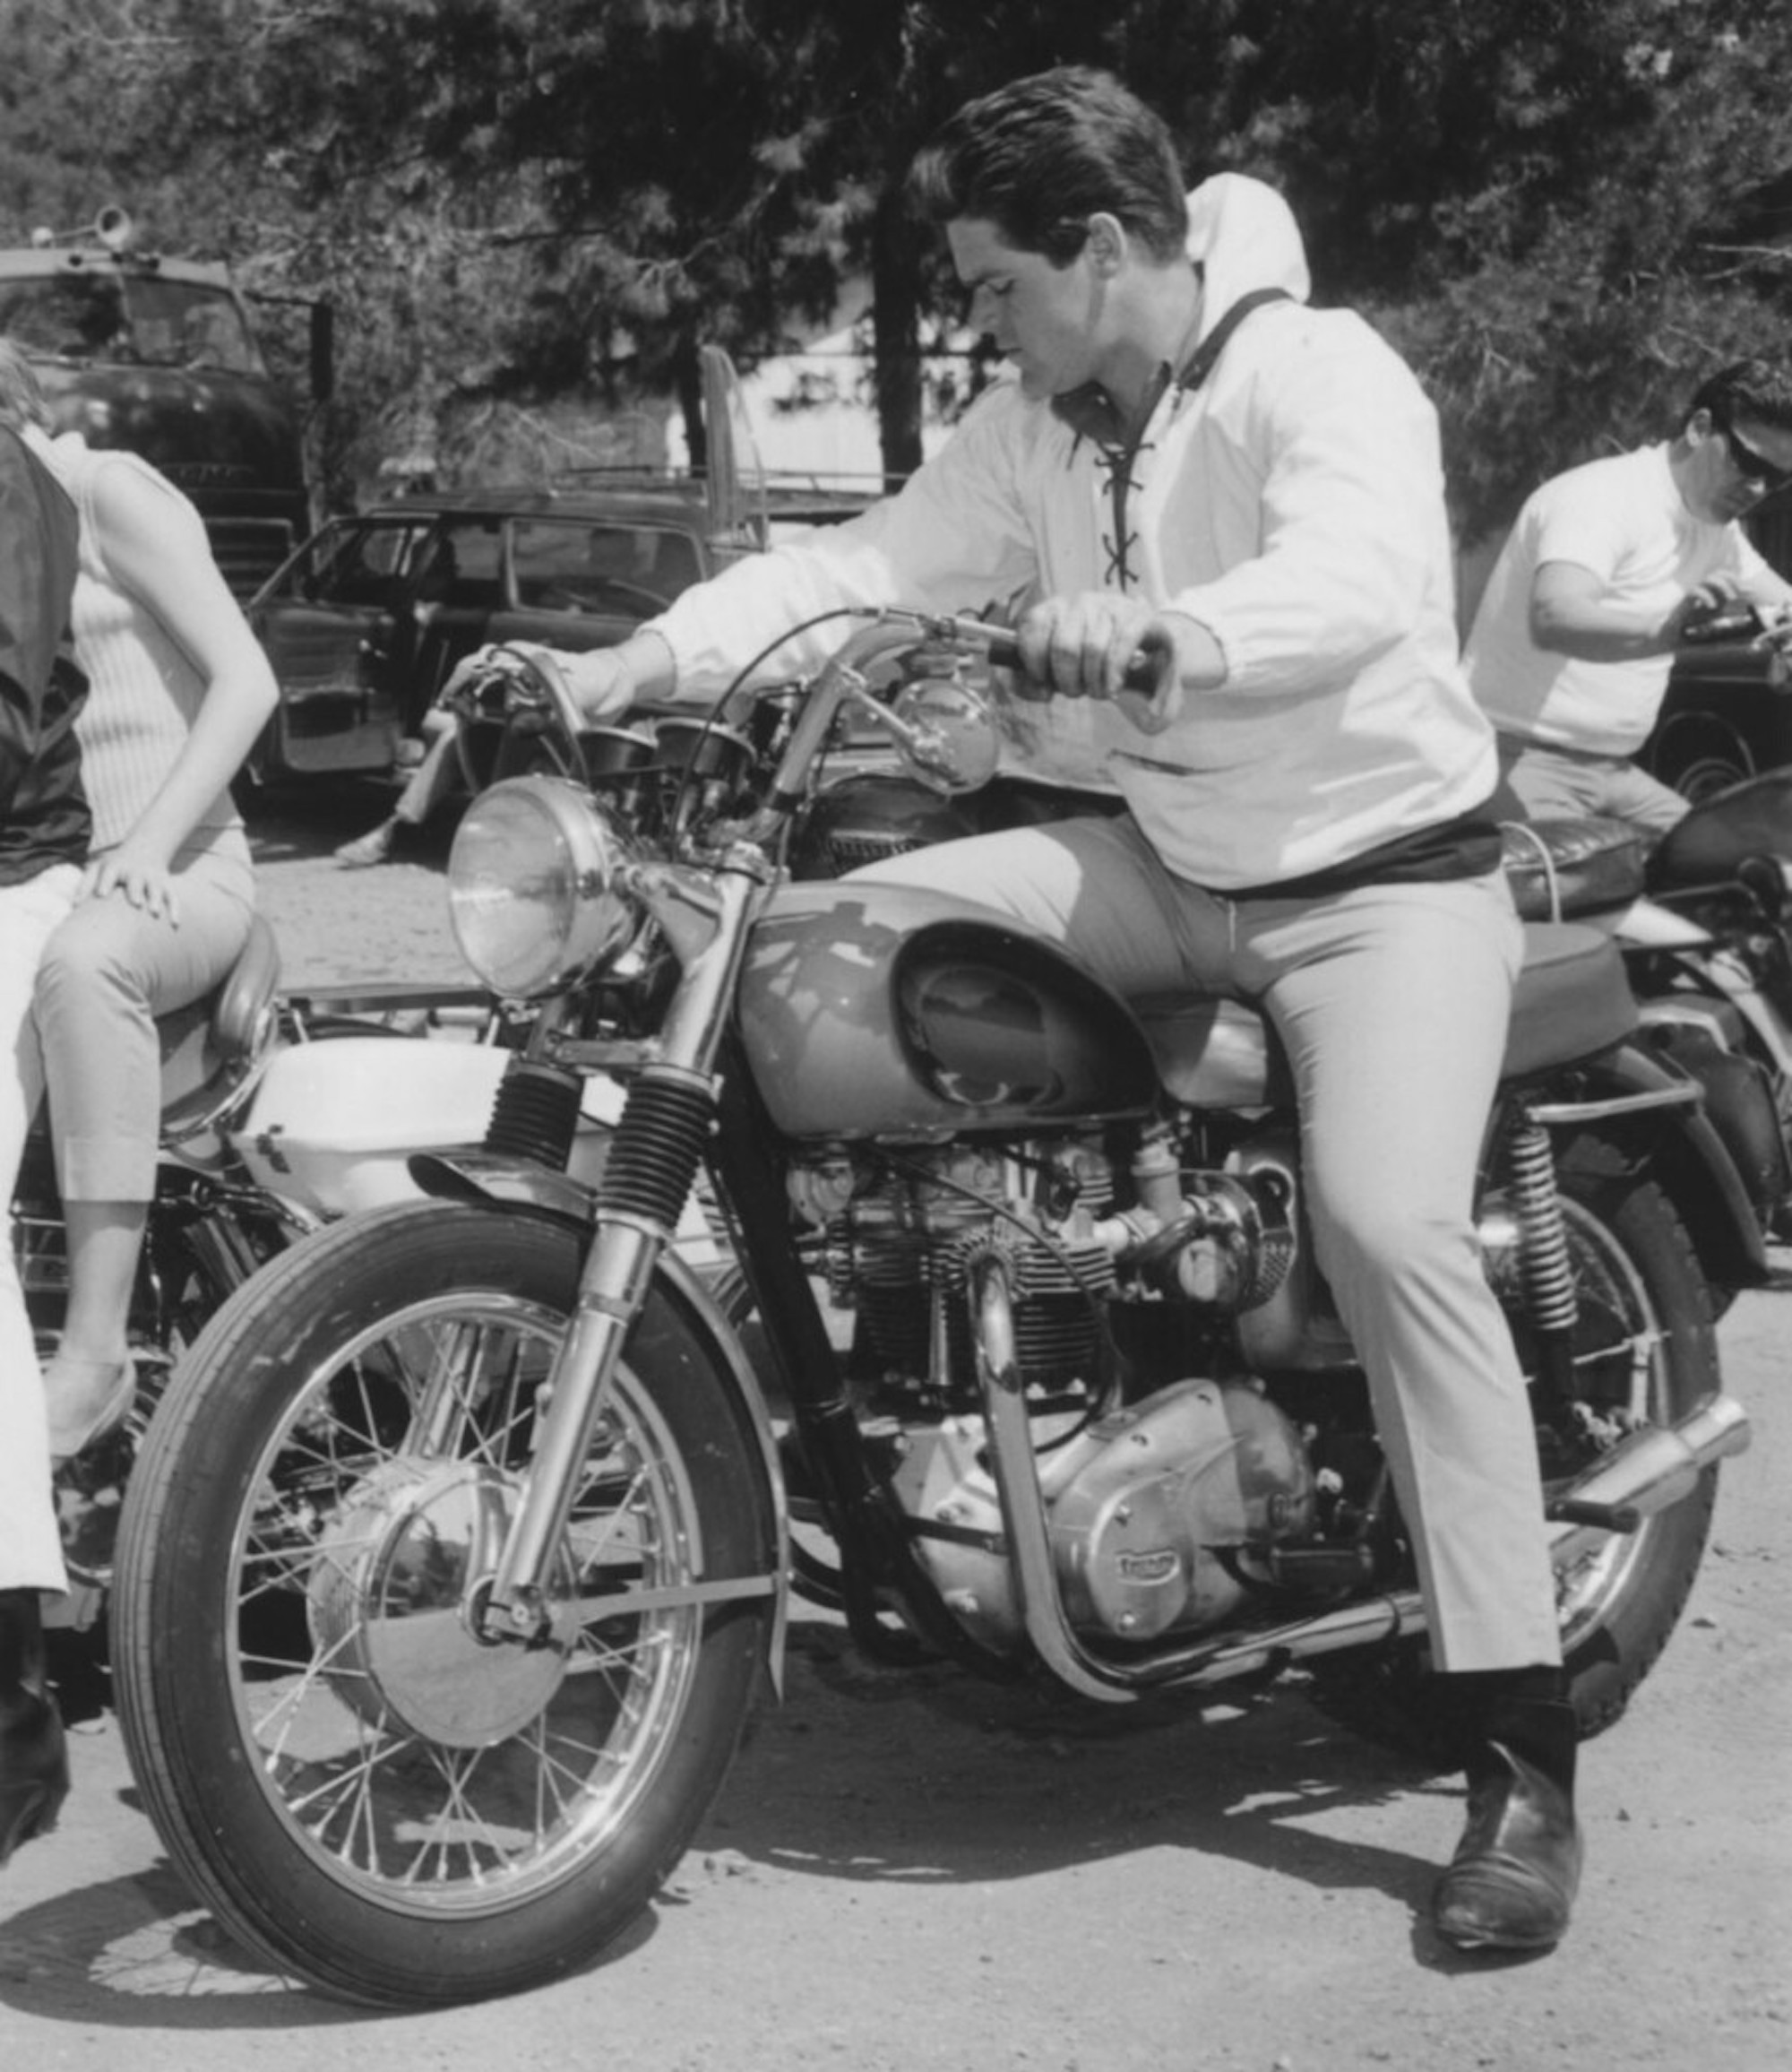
[1243,235]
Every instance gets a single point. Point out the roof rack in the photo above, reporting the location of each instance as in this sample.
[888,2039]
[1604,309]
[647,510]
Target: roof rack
[776,481]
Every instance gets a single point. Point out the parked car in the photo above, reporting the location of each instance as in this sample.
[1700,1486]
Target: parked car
[365,622]
[1721,721]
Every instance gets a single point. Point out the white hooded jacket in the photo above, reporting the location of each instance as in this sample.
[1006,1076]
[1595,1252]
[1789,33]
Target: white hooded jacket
[1293,503]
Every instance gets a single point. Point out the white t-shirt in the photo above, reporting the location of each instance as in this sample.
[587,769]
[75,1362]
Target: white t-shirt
[1624,519]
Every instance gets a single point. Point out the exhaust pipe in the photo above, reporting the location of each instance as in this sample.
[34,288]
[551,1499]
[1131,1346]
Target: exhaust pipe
[1643,1474]
[1648,1471]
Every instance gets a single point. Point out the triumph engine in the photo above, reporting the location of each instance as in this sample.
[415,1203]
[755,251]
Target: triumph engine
[1139,1303]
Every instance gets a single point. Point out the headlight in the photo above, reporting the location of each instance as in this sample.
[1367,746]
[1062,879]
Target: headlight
[531,887]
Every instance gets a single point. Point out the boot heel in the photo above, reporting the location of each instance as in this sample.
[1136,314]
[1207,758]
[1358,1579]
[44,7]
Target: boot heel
[33,1777]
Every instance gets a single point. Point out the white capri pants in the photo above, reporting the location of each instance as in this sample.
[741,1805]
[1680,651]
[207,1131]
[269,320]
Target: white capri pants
[30,1548]
[108,972]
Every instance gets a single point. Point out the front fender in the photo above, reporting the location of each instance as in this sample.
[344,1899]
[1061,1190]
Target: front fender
[506,1183]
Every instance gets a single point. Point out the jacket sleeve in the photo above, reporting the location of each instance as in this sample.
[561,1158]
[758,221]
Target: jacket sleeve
[950,539]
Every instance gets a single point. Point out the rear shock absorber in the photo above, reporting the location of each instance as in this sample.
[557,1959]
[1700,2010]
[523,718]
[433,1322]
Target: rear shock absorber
[1545,1269]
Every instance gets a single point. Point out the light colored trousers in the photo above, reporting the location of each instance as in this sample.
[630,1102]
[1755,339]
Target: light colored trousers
[106,975]
[1562,783]
[30,1548]
[1393,1003]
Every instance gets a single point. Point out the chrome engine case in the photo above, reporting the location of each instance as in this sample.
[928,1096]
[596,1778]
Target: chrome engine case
[1158,1514]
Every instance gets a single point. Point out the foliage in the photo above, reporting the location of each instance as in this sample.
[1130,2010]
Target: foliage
[1560,213]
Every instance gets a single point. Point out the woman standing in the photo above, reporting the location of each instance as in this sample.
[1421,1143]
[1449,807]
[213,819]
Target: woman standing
[43,838]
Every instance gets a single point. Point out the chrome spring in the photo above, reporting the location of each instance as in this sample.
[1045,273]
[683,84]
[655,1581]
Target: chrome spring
[658,1145]
[1542,1237]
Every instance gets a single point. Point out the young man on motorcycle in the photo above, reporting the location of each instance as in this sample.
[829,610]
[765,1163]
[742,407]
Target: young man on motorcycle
[1605,569]
[44,826]
[1190,465]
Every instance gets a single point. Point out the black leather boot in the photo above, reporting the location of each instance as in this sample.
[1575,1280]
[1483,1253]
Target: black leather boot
[1512,1879]
[33,1753]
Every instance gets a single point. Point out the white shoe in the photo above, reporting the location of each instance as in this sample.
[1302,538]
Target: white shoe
[373,847]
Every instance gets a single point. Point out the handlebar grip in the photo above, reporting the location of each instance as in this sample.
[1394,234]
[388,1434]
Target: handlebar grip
[1729,621]
[1004,651]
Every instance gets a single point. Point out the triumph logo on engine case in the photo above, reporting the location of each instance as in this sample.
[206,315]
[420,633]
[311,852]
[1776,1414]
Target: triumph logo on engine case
[1156,1565]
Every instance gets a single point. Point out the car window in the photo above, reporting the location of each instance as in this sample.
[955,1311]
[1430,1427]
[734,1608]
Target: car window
[132,318]
[351,563]
[580,564]
[474,550]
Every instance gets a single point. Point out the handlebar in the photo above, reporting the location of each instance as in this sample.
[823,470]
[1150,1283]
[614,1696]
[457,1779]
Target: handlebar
[1143,674]
[1736,620]
[529,679]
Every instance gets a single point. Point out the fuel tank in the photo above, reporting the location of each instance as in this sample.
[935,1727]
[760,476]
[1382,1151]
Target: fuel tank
[874,1010]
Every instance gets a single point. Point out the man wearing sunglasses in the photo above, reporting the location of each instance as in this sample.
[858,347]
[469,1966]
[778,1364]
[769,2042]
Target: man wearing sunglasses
[1606,569]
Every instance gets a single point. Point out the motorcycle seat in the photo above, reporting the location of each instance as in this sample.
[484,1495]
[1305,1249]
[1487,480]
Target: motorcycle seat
[1557,869]
[210,1047]
[1711,843]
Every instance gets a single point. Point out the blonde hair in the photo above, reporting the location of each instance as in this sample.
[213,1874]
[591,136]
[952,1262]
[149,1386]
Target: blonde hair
[21,395]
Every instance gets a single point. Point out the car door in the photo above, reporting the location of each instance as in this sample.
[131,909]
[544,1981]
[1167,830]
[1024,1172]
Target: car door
[331,620]
[454,611]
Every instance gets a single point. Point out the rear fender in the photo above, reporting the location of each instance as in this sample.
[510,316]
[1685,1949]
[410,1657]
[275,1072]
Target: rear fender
[1658,1109]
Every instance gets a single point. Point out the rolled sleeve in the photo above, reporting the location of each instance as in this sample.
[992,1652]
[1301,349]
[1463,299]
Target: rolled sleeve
[952,537]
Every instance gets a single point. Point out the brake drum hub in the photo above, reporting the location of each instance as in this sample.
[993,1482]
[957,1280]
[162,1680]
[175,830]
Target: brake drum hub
[390,1598]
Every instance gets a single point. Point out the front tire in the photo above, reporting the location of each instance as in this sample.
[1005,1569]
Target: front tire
[366,1792]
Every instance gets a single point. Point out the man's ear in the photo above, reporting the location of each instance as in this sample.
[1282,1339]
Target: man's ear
[1107,242]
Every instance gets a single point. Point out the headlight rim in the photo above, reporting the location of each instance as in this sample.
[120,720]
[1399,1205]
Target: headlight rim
[591,923]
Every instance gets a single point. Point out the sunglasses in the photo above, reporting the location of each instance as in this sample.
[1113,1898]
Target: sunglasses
[1751,466]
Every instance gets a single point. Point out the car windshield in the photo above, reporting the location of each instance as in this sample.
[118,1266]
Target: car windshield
[130,319]
[583,564]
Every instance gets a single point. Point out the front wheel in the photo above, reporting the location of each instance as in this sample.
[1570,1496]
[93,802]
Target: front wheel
[364,1788]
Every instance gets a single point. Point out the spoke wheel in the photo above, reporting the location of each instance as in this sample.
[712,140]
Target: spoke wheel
[368,1787]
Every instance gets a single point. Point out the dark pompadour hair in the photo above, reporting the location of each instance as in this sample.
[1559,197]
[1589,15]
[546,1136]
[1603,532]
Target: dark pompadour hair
[1040,157]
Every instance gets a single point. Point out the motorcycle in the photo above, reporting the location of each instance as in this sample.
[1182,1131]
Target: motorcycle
[461,1545]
